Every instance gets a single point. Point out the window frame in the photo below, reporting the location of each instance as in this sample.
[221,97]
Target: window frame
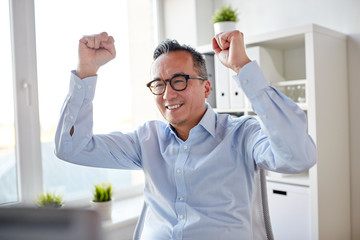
[27,124]
[26,103]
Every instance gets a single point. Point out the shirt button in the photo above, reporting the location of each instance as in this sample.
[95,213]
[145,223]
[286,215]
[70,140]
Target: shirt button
[264,116]
[79,86]
[185,147]
[181,198]
[245,81]
[181,216]
[89,87]
[178,170]
[71,117]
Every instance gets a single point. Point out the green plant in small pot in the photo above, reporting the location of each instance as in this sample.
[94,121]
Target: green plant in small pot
[102,200]
[225,19]
[49,200]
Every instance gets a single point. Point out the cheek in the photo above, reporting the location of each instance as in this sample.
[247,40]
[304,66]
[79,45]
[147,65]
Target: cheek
[158,101]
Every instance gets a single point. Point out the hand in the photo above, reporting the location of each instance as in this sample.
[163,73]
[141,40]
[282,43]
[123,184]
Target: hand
[229,47]
[94,51]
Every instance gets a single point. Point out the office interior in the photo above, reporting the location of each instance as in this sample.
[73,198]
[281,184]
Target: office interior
[37,75]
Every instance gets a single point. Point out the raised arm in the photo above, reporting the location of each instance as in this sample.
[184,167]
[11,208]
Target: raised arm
[282,143]
[74,138]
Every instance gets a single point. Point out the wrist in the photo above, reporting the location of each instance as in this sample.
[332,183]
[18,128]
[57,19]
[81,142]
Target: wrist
[240,66]
[84,71]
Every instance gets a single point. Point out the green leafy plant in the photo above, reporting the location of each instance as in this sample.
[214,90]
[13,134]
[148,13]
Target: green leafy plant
[102,192]
[49,200]
[225,13]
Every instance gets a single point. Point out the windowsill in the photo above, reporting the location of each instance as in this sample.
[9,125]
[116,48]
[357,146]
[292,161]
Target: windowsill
[124,213]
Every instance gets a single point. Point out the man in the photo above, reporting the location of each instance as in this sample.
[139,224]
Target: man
[199,167]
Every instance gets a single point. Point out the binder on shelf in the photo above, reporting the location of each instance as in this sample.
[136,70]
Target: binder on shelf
[209,61]
[237,96]
[222,85]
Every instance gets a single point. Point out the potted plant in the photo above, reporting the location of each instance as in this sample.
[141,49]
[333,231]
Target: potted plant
[225,19]
[102,200]
[49,200]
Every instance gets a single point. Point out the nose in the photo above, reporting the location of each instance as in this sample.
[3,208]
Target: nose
[169,93]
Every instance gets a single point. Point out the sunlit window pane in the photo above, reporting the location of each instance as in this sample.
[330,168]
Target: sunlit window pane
[8,176]
[59,26]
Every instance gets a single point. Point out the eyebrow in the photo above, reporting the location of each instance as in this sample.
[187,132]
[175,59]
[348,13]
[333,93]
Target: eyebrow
[174,75]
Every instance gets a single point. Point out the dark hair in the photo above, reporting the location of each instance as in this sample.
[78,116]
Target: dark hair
[169,45]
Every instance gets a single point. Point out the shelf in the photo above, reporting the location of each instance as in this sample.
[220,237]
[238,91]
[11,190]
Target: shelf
[291,82]
[303,106]
[301,179]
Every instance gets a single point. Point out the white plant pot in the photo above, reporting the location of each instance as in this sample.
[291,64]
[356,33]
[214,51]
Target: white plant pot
[224,27]
[103,208]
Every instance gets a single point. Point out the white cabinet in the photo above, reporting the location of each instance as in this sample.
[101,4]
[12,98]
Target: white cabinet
[308,64]
[289,208]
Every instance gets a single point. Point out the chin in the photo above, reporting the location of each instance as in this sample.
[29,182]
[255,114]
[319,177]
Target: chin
[175,122]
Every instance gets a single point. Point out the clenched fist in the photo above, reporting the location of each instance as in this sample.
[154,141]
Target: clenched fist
[94,51]
[230,49]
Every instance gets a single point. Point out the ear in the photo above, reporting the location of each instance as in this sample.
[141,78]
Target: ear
[207,87]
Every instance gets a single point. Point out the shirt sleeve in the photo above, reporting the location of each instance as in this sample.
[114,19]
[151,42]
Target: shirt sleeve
[115,150]
[282,143]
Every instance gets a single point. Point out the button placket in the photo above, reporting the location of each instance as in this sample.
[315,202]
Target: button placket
[179,171]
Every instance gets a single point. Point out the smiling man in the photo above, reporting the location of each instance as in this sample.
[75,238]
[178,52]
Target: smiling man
[181,97]
[199,166]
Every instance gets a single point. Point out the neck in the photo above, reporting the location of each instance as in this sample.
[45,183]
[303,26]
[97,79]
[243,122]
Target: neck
[183,128]
[182,133]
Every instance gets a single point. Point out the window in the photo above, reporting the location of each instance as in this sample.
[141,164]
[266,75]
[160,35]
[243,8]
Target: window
[58,30]
[8,173]
[40,81]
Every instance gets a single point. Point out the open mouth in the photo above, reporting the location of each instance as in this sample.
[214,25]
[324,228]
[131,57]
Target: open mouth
[173,107]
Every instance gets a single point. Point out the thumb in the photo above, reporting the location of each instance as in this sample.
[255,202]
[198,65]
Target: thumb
[216,46]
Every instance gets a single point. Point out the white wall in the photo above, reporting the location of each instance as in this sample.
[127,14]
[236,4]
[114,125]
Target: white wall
[262,16]
[141,24]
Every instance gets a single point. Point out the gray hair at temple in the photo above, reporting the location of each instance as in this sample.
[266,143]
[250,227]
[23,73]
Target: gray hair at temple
[169,45]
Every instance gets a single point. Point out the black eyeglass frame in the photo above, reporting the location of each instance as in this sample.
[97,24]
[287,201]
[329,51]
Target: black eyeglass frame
[186,76]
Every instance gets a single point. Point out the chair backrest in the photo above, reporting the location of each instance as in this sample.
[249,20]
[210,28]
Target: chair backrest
[260,211]
[261,224]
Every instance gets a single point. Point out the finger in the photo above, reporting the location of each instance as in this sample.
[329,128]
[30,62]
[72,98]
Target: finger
[215,46]
[109,45]
[218,40]
[100,38]
[83,40]
[224,41]
[108,42]
[87,41]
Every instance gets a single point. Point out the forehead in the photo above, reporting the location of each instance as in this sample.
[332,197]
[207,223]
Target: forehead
[170,63]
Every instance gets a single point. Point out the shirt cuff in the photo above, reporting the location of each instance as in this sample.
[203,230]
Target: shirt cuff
[251,79]
[85,87]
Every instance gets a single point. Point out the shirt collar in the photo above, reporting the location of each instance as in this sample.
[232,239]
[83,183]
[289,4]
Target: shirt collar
[208,121]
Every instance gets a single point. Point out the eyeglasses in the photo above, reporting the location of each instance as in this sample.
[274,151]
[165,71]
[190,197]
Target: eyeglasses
[178,82]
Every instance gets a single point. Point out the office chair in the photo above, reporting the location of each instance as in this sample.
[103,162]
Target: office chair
[260,211]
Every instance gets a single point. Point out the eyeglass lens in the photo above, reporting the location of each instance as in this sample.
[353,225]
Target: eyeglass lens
[178,83]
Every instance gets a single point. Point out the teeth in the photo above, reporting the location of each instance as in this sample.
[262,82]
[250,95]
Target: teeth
[173,107]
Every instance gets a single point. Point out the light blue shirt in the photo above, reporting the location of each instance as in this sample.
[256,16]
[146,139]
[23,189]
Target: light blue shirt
[200,188]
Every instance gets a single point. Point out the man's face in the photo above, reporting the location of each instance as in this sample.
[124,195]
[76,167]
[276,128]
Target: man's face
[180,108]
